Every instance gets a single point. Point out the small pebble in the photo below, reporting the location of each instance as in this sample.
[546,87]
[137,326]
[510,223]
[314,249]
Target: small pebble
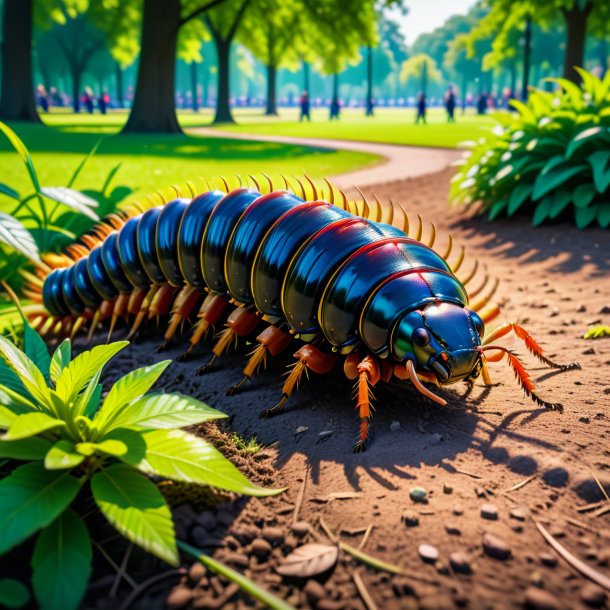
[301,429]
[325,433]
[418,494]
[518,513]
[395,426]
[274,535]
[428,553]
[489,511]
[539,599]
[457,510]
[452,529]
[593,595]
[238,560]
[460,563]
[179,597]
[196,573]
[260,548]
[495,547]
[300,528]
[207,519]
[410,518]
[548,559]
[447,489]
[331,604]
[314,591]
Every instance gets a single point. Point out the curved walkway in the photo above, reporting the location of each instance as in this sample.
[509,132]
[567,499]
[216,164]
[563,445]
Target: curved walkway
[398,162]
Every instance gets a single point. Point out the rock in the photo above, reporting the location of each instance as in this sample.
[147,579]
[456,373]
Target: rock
[199,535]
[539,599]
[495,547]
[536,579]
[489,511]
[395,426]
[207,519]
[428,553]
[518,513]
[179,597]
[196,573]
[548,559]
[260,548]
[604,309]
[457,510]
[589,352]
[460,563]
[238,560]
[274,535]
[325,434]
[314,591]
[225,517]
[435,438]
[593,595]
[418,494]
[410,518]
[447,489]
[300,528]
[245,533]
[301,429]
[452,529]
[330,604]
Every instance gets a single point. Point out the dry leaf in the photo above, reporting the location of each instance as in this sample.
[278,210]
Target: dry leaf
[309,560]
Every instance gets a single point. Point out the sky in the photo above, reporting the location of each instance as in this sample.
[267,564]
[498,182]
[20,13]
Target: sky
[426,15]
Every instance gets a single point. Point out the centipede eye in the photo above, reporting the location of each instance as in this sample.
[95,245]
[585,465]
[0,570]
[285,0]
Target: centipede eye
[421,338]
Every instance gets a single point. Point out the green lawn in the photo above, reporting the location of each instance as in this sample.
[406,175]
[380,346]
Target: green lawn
[389,125]
[153,162]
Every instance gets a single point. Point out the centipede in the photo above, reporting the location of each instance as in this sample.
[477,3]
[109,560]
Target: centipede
[341,282]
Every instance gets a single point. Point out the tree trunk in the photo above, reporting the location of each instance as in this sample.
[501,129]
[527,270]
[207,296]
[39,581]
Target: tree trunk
[527,52]
[336,88]
[424,78]
[464,92]
[576,24]
[17,102]
[306,78]
[223,106]
[513,78]
[271,109]
[119,85]
[154,104]
[602,50]
[194,87]
[369,82]
[206,87]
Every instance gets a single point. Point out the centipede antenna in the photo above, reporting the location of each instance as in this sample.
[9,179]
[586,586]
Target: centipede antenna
[419,386]
[469,277]
[449,247]
[432,238]
[191,188]
[313,187]
[269,181]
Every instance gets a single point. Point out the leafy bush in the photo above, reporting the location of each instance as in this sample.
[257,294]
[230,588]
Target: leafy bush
[51,217]
[551,158]
[74,444]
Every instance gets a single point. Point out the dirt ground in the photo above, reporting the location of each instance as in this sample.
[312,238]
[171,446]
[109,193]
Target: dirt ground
[472,453]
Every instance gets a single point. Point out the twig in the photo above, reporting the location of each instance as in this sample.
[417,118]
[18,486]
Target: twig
[369,560]
[470,474]
[369,529]
[592,506]
[599,484]
[122,572]
[128,603]
[300,496]
[580,524]
[111,561]
[577,564]
[520,484]
[328,531]
[602,511]
[363,591]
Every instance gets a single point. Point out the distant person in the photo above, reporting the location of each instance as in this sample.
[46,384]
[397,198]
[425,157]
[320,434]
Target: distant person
[421,109]
[450,105]
[335,108]
[42,97]
[102,102]
[88,100]
[305,106]
[482,103]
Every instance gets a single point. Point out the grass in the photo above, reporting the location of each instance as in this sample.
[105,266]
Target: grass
[151,162]
[389,125]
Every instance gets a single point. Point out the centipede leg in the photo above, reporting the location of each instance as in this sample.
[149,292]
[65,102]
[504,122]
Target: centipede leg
[308,357]
[272,341]
[141,313]
[209,315]
[184,304]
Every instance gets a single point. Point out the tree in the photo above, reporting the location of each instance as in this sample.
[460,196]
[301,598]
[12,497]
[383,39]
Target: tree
[465,67]
[17,101]
[420,67]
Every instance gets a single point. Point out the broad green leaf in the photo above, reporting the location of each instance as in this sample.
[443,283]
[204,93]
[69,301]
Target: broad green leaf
[136,508]
[73,199]
[7,417]
[551,164]
[112,447]
[84,161]
[14,234]
[583,195]
[127,389]
[28,372]
[31,424]
[62,455]
[61,563]
[600,162]
[88,402]
[31,498]
[164,411]
[496,208]
[82,369]
[13,594]
[93,402]
[560,200]
[592,133]
[10,380]
[555,178]
[585,216]
[36,350]
[32,448]
[603,215]
[181,456]
[9,192]
[60,360]
[518,196]
[16,402]
[572,90]
[22,151]
[109,178]
[543,210]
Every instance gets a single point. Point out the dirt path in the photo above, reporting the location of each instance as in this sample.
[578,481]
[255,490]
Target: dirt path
[399,162]
[472,453]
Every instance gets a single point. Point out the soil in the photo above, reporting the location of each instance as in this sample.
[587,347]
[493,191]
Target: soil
[492,463]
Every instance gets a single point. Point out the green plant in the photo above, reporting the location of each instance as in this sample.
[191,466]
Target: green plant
[74,444]
[249,446]
[51,217]
[551,158]
[597,332]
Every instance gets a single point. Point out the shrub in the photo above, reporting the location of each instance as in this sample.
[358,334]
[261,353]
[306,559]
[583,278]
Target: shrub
[70,443]
[550,159]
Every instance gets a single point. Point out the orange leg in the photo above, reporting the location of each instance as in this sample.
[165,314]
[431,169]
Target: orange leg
[530,344]
[184,304]
[209,315]
[308,357]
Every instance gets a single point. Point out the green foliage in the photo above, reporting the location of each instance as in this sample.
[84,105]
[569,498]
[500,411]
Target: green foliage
[72,445]
[550,158]
[597,332]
